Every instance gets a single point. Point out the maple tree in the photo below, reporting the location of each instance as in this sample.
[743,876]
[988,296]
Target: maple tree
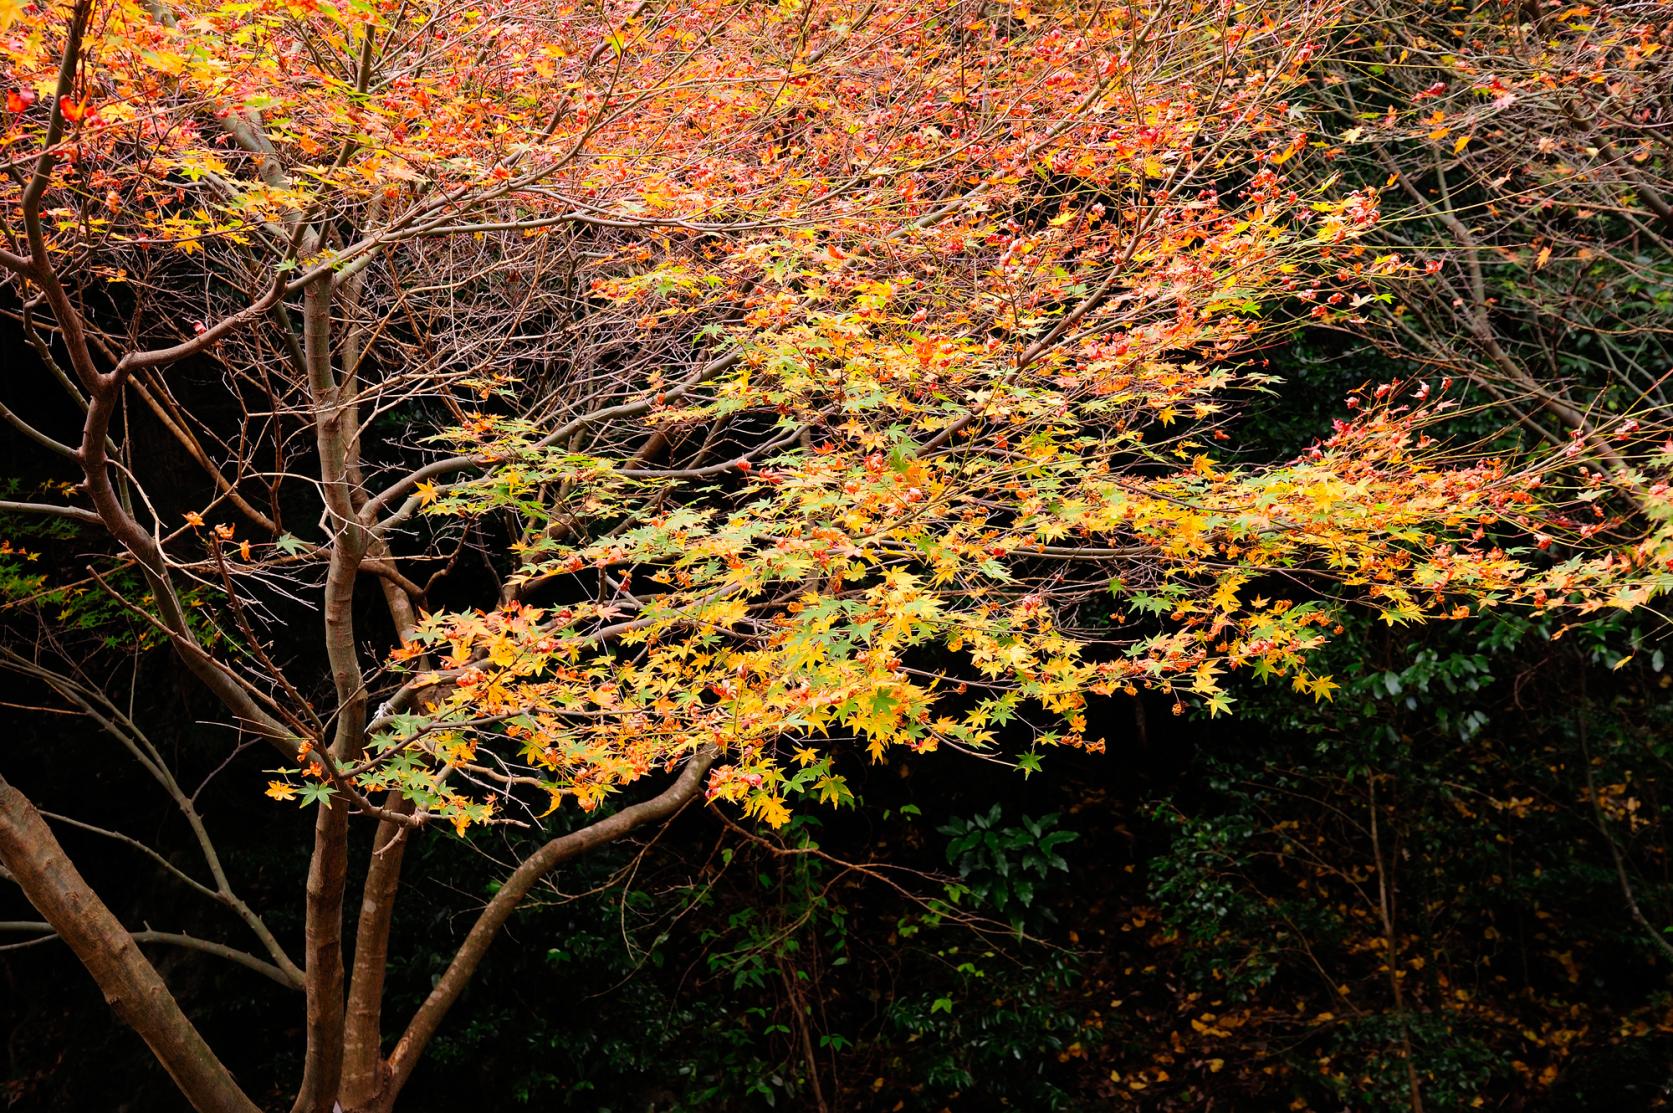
[796,376]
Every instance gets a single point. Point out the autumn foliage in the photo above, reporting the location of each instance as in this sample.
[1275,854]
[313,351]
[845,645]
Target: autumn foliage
[810,376]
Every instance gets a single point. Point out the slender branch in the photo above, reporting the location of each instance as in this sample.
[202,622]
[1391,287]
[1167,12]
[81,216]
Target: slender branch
[97,706]
[493,917]
[74,513]
[189,942]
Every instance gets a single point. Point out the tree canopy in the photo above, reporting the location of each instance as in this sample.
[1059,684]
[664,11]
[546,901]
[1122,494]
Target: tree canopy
[732,394]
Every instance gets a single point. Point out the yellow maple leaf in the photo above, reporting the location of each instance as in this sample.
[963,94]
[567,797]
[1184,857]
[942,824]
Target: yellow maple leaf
[1225,596]
[1321,687]
[278,790]
[772,810]
[502,651]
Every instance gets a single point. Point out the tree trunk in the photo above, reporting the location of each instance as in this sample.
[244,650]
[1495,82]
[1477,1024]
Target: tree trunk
[130,983]
[365,1074]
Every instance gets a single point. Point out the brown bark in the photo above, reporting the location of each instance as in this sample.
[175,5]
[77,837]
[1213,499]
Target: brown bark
[328,870]
[365,1074]
[323,961]
[129,982]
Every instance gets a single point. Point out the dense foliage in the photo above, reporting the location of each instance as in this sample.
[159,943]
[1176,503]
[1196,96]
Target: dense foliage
[935,556]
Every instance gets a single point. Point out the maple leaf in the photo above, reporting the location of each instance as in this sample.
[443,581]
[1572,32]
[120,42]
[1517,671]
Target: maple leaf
[833,791]
[317,794]
[770,810]
[502,651]
[959,400]
[1322,687]
[1225,595]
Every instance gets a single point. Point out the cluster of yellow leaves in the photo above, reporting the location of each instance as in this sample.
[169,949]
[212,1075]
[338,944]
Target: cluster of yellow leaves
[976,275]
[884,599]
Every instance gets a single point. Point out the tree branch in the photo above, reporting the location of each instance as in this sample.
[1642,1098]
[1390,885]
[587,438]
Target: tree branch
[493,917]
[189,942]
[130,983]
